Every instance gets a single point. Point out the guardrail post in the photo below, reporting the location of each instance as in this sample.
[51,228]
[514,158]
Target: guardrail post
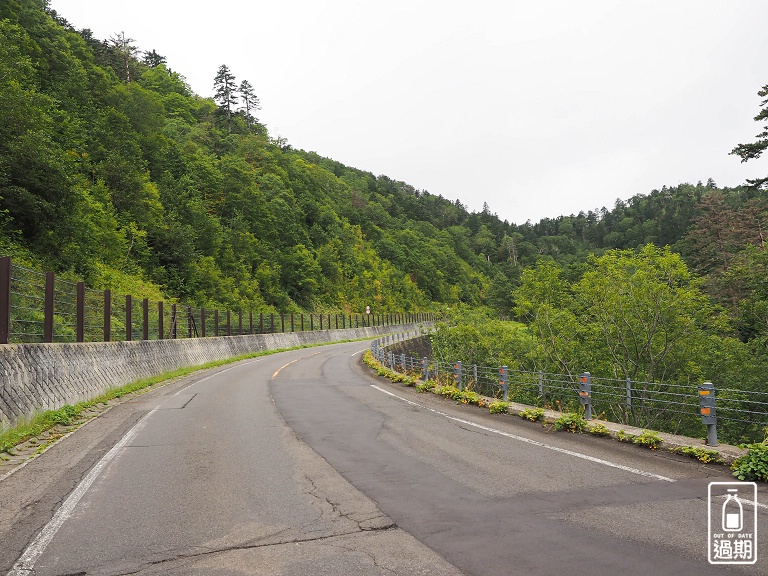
[145,318]
[708,413]
[402,362]
[424,369]
[50,280]
[585,394]
[80,313]
[457,381]
[5,299]
[504,382]
[128,318]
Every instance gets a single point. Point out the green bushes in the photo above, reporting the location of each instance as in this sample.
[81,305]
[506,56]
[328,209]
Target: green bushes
[754,464]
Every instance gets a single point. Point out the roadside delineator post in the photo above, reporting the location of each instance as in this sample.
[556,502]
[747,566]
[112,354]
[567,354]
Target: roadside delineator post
[585,393]
[457,381]
[424,369]
[707,409]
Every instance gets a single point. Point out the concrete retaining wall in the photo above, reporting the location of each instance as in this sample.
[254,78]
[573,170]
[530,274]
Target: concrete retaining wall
[39,377]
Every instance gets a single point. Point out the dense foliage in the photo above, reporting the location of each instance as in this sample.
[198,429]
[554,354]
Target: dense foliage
[113,170]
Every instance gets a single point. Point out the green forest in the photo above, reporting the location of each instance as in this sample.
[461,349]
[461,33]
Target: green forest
[112,170]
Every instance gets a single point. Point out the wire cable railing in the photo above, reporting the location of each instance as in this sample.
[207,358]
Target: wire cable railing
[742,415]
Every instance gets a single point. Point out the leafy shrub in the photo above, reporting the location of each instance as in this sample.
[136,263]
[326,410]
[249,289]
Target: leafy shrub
[649,439]
[622,436]
[571,422]
[705,455]
[426,386]
[498,407]
[599,430]
[754,464]
[532,414]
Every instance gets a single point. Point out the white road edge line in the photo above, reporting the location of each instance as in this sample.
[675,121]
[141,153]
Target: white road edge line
[534,442]
[25,565]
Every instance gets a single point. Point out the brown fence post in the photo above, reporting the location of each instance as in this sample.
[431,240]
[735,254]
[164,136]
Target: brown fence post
[311,323]
[145,318]
[174,321]
[250,321]
[302,321]
[261,322]
[239,322]
[50,280]
[282,322]
[107,315]
[321,321]
[189,321]
[229,323]
[160,320]
[293,327]
[5,299]
[202,322]
[216,322]
[80,313]
[128,318]
[272,323]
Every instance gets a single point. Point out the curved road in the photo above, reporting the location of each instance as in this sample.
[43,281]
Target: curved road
[303,463]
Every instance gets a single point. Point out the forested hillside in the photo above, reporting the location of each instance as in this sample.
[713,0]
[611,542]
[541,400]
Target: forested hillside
[113,170]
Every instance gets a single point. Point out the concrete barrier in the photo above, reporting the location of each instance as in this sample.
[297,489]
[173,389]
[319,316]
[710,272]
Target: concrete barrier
[39,377]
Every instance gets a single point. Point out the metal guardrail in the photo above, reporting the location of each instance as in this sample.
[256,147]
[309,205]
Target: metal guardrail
[741,415]
[38,307]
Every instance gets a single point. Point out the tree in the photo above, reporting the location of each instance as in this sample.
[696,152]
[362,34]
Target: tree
[153,59]
[250,101]
[649,311]
[755,149]
[225,90]
[126,53]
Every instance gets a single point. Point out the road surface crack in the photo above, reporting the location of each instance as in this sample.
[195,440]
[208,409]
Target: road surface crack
[243,547]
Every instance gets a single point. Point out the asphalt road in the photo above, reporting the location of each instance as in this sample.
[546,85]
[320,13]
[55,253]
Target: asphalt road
[303,463]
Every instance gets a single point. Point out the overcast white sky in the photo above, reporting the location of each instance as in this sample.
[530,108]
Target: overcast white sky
[539,108]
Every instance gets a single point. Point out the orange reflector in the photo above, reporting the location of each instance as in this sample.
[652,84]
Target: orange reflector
[583,393]
[705,411]
[704,392]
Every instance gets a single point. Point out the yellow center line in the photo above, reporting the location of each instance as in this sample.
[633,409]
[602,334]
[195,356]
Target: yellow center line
[291,362]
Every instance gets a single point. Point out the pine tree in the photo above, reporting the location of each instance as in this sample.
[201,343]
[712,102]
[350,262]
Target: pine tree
[153,59]
[755,149]
[225,90]
[250,101]
[126,52]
